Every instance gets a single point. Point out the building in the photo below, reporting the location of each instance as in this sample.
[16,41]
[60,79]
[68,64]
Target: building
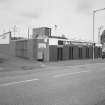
[44,47]
[41,32]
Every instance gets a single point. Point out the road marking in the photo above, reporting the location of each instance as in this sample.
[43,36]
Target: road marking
[19,82]
[79,65]
[67,74]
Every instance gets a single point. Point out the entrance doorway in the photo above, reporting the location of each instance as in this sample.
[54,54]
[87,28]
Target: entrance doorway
[40,56]
[70,52]
[60,54]
[80,53]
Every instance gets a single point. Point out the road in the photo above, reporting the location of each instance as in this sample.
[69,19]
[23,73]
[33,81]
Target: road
[55,85]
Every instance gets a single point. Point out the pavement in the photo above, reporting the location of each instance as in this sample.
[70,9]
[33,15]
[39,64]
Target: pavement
[79,82]
[10,63]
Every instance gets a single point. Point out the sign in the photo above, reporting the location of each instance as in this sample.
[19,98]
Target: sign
[46,40]
[41,45]
[67,42]
[40,55]
[5,38]
[53,41]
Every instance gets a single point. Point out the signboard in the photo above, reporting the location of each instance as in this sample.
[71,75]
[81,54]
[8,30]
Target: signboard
[67,42]
[53,41]
[41,45]
[5,38]
[46,40]
[40,55]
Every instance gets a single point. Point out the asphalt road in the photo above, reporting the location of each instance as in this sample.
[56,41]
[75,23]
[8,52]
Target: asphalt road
[64,85]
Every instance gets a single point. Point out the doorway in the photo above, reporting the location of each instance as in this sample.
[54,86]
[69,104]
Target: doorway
[70,52]
[60,54]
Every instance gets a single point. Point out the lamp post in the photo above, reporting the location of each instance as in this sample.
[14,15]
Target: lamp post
[95,11]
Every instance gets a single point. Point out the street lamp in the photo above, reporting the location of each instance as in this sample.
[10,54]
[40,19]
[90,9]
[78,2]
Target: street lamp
[95,11]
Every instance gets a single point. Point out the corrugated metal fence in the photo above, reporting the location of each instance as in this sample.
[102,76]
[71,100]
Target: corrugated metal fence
[21,48]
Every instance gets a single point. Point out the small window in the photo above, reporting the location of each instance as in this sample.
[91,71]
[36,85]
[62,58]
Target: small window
[60,42]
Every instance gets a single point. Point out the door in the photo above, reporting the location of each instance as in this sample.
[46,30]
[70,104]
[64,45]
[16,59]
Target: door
[40,56]
[80,53]
[70,52]
[59,53]
[87,52]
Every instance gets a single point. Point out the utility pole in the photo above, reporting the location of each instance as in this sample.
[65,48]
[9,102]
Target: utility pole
[93,32]
[28,33]
[95,11]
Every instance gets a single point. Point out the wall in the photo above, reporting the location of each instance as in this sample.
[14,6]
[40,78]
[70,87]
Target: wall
[13,48]
[84,52]
[34,48]
[21,48]
[41,46]
[52,53]
[66,53]
[75,52]
[70,52]
[30,49]
[43,31]
[46,53]
[90,52]
[5,48]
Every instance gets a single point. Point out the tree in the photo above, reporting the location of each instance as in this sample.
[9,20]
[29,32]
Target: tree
[103,37]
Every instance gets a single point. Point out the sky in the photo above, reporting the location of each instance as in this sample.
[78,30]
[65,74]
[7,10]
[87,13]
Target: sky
[72,17]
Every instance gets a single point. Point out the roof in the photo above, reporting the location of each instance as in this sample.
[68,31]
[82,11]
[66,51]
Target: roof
[41,27]
[57,37]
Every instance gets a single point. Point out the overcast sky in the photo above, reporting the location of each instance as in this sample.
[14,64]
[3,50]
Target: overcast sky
[73,17]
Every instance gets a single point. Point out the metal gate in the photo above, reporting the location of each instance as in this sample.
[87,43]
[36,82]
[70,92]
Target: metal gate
[60,54]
